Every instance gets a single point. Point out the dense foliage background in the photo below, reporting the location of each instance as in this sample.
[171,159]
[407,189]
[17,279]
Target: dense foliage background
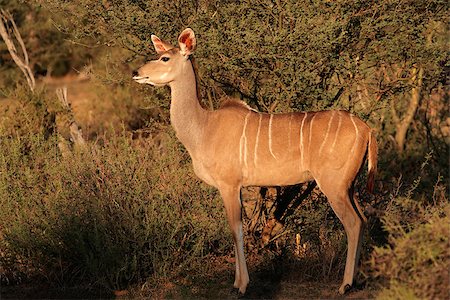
[126,211]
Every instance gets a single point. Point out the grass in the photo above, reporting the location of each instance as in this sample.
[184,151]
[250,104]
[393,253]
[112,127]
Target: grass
[111,215]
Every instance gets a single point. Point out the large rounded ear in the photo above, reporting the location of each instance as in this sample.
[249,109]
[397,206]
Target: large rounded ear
[187,42]
[160,45]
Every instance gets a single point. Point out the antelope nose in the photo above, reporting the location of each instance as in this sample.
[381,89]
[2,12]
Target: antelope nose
[135,73]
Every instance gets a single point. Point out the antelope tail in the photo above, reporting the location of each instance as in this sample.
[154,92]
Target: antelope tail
[372,158]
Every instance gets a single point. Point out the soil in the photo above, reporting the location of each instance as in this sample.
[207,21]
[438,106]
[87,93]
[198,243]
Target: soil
[267,283]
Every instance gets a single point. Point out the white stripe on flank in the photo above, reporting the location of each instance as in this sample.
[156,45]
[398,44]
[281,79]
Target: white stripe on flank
[328,132]
[289,130]
[270,136]
[337,131]
[255,156]
[301,138]
[356,133]
[243,142]
[310,134]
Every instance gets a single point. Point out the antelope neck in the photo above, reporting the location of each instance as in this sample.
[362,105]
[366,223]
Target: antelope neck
[186,114]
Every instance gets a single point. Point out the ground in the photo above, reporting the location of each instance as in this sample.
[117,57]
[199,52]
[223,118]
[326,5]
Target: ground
[273,281]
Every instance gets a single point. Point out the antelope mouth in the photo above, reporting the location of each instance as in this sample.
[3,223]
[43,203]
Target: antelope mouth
[144,79]
[141,79]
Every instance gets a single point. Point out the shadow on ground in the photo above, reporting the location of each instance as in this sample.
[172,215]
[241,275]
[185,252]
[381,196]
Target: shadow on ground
[42,291]
[275,279]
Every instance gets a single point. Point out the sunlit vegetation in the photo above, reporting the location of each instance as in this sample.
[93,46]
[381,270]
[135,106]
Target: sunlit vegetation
[126,212]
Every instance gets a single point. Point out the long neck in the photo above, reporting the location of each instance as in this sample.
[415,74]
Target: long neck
[186,114]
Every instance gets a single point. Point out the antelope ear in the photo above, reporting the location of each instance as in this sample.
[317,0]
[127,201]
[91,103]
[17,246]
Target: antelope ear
[187,42]
[160,45]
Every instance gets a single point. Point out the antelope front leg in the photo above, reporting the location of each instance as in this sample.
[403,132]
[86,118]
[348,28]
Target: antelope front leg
[232,202]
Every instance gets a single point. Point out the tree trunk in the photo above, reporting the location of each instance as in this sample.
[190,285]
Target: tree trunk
[402,124]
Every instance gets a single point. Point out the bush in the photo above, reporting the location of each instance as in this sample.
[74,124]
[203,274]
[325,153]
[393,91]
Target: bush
[26,112]
[285,55]
[416,260]
[110,215]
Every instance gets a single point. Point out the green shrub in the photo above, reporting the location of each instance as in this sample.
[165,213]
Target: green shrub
[288,55]
[26,112]
[416,261]
[110,215]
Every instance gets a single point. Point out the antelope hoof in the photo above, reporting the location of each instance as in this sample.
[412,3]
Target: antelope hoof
[242,291]
[241,288]
[236,292]
[344,288]
[241,284]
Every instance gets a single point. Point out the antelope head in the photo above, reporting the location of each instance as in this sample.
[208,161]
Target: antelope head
[171,62]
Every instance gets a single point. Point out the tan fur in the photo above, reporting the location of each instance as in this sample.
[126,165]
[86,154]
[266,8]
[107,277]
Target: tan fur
[372,157]
[236,146]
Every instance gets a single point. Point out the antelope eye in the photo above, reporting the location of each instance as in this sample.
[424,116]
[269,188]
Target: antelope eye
[165,59]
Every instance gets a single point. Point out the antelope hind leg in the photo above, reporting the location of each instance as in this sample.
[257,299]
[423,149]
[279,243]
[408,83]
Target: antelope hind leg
[353,225]
[353,222]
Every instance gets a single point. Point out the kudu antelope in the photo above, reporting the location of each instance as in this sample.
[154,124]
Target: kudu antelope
[236,146]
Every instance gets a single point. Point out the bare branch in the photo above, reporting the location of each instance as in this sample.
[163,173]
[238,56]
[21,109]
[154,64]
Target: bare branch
[61,93]
[22,63]
[18,36]
[75,131]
